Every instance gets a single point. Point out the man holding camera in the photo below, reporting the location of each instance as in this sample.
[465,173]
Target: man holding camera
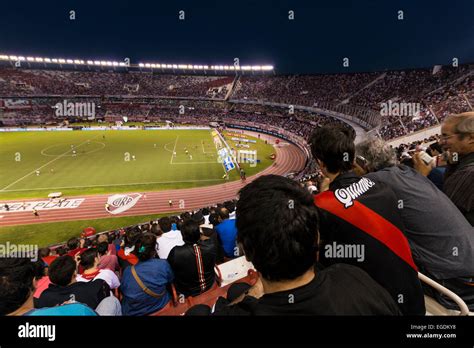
[457,139]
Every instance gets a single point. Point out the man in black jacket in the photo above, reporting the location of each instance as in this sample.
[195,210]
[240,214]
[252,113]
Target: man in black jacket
[361,223]
[193,263]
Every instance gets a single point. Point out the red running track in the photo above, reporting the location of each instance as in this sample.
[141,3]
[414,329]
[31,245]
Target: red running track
[289,159]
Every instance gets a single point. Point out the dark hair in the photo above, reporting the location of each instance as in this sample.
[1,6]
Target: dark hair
[185,216]
[334,146]
[190,231]
[16,283]
[224,213]
[436,146]
[156,230]
[73,243]
[43,252]
[165,224]
[131,236]
[102,248]
[61,251]
[87,258]
[214,219]
[61,270]
[145,246]
[277,224]
[230,206]
[205,211]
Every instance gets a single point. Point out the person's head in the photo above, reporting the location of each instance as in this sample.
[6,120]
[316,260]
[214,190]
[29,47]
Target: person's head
[61,251]
[156,230]
[102,238]
[223,214]
[16,283]
[43,252]
[374,154]
[102,248]
[230,206]
[62,271]
[73,243]
[435,149]
[277,224]
[165,224]
[198,218]
[89,258]
[190,231]
[145,248]
[205,211]
[214,219]
[131,236]
[333,149]
[457,133]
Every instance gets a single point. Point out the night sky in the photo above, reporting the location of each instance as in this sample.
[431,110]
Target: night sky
[256,31]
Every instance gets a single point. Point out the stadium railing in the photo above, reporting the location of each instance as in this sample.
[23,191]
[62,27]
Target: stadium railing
[435,308]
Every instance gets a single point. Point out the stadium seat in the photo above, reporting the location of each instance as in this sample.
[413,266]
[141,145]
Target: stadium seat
[435,308]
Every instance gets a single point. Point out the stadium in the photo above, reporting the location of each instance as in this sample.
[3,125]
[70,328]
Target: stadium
[157,188]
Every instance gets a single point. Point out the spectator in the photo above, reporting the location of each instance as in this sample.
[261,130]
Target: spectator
[208,232]
[75,246]
[144,284]
[227,233]
[106,260]
[362,214]
[193,263]
[125,255]
[457,140]
[64,287]
[101,238]
[17,286]
[45,255]
[281,242]
[432,232]
[168,238]
[89,260]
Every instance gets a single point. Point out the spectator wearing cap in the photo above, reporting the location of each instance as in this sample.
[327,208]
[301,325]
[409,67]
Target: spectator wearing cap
[168,238]
[193,263]
[432,233]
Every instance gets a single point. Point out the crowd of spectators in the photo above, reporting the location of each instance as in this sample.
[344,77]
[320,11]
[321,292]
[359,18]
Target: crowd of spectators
[359,95]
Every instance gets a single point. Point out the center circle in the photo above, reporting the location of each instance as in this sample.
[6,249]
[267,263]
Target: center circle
[66,150]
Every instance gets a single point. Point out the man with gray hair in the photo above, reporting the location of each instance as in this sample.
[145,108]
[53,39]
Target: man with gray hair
[441,239]
[457,139]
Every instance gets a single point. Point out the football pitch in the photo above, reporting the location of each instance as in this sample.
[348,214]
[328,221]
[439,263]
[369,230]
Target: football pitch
[35,164]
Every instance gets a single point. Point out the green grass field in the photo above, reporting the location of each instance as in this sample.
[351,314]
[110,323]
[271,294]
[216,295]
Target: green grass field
[104,161]
[104,164]
[57,232]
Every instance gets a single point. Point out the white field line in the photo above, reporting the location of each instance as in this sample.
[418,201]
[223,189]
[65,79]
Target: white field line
[44,165]
[112,185]
[174,149]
